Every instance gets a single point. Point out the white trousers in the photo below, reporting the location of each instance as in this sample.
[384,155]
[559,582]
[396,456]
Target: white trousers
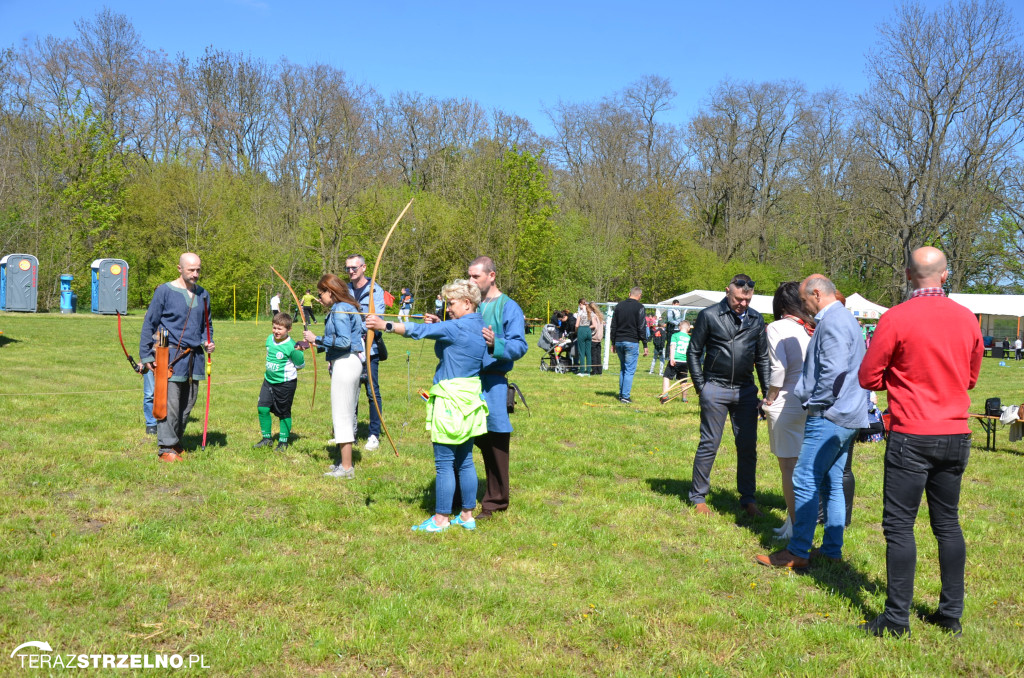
[344,396]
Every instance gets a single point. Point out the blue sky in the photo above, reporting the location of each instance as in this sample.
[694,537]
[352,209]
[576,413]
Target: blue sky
[520,57]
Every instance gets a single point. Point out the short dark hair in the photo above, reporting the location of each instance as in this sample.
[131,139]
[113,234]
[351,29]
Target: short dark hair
[740,277]
[282,319]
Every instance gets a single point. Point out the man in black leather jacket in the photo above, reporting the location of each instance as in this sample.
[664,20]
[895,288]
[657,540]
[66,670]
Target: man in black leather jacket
[727,344]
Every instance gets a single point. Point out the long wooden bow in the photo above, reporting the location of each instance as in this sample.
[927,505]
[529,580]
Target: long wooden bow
[370,333]
[305,326]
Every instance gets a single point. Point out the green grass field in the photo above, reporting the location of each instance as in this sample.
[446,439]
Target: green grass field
[257,562]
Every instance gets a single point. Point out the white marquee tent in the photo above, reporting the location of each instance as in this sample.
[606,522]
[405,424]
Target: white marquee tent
[998,314]
[762,303]
[862,308]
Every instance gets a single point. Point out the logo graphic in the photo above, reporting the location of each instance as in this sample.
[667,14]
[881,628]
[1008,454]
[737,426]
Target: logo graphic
[44,646]
[24,264]
[115,269]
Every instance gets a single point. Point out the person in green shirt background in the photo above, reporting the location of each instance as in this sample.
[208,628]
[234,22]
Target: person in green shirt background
[676,368]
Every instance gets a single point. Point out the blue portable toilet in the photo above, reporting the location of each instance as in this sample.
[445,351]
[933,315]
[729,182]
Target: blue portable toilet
[110,286]
[19,283]
[67,297]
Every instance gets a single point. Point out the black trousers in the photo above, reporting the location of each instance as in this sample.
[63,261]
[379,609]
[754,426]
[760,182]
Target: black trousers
[933,465]
[494,449]
[740,403]
[597,360]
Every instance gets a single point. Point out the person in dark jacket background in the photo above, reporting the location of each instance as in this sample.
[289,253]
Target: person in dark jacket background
[629,328]
[727,343]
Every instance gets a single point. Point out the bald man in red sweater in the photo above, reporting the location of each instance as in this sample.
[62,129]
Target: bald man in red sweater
[926,352]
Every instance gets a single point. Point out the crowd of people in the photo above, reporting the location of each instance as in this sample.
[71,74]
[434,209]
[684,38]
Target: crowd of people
[814,366]
[477,341]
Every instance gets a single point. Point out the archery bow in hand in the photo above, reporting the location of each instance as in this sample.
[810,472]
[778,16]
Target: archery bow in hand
[370,333]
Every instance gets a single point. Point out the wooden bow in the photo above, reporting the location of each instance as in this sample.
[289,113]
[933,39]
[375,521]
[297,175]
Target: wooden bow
[370,333]
[305,326]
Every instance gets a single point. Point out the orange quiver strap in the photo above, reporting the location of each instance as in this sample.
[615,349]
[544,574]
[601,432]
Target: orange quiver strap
[162,375]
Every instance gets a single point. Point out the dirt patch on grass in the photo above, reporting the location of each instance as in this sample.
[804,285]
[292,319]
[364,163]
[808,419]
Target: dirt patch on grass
[91,526]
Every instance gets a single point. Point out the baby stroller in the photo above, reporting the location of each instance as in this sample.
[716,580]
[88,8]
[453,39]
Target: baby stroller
[557,358]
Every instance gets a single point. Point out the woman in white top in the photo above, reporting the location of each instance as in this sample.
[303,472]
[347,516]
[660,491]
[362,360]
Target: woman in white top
[788,338]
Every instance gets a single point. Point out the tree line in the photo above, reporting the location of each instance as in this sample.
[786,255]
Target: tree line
[110,149]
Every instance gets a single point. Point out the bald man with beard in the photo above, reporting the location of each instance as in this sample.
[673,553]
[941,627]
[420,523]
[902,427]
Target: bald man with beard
[180,308]
[926,353]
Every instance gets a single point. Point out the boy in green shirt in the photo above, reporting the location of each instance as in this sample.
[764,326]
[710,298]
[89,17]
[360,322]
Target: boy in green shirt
[676,368]
[284,360]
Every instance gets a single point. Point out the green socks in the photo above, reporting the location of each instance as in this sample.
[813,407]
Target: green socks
[266,425]
[265,421]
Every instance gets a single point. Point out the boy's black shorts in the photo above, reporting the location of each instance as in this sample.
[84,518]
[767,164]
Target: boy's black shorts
[677,371]
[278,397]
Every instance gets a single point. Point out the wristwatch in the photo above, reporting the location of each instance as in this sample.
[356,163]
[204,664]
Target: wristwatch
[389,327]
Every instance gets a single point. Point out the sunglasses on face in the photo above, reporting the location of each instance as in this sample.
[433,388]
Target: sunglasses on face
[740,284]
[350,269]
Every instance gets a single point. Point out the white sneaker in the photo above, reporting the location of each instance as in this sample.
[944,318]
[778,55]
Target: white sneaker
[785,531]
[332,469]
[346,473]
[372,443]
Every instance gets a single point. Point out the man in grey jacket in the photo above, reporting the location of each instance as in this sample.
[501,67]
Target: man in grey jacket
[836,409]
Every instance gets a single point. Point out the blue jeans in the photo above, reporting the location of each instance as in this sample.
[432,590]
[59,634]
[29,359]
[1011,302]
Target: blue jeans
[148,386]
[821,461]
[447,460]
[629,354]
[374,417]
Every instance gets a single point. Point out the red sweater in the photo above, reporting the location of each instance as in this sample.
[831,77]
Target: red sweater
[926,352]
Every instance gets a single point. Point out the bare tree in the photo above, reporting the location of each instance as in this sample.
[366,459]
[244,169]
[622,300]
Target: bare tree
[943,115]
[110,58]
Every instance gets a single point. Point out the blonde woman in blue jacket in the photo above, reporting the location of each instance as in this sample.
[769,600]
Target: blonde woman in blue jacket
[456,410]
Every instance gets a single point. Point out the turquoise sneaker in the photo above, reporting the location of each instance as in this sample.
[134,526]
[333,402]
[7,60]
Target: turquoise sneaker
[468,524]
[429,525]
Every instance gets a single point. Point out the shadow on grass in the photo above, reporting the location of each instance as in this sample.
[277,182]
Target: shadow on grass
[193,441]
[427,495]
[4,340]
[838,578]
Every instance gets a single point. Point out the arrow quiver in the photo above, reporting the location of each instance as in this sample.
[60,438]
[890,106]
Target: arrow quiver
[162,374]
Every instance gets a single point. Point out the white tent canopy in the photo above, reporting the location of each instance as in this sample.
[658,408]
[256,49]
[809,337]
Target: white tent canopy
[862,308]
[992,304]
[762,303]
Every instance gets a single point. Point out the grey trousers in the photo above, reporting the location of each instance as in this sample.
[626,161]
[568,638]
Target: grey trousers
[181,397]
[740,404]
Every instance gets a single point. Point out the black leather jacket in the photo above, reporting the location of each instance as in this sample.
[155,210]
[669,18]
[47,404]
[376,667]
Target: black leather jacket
[730,351]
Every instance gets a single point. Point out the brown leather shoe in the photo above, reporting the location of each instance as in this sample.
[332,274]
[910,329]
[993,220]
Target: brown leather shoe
[816,554]
[483,515]
[702,508]
[783,558]
[170,457]
[752,510]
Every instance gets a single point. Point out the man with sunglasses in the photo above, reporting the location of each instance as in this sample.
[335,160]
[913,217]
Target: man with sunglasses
[359,286]
[727,345]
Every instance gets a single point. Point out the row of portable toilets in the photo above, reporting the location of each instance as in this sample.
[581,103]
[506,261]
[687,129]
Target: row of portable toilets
[19,286]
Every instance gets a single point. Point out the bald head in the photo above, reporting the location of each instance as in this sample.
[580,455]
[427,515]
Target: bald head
[188,268]
[928,267]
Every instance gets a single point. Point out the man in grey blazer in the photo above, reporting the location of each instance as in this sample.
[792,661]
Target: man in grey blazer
[836,409]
